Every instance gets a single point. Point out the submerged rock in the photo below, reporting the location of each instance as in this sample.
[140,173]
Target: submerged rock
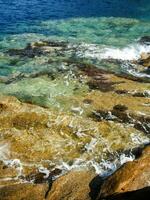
[28,51]
[37,49]
[144,60]
[99,79]
[7,174]
[131,176]
[23,191]
[145,40]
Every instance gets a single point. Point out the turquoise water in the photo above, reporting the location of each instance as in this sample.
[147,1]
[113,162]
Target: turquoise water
[101,22]
[99,30]
[95,32]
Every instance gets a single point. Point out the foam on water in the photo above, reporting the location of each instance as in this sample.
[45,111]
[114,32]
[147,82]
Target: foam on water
[15,163]
[138,139]
[104,168]
[129,53]
[133,69]
[132,52]
[104,56]
[4,151]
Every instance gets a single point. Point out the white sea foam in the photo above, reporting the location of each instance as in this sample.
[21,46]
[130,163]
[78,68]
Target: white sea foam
[44,171]
[15,163]
[104,168]
[139,139]
[131,52]
[90,146]
[4,151]
[132,69]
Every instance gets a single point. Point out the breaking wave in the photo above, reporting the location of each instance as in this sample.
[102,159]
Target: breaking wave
[131,52]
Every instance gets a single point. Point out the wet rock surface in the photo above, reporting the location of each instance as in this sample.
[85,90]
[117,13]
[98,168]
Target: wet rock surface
[74,185]
[23,191]
[37,49]
[145,40]
[131,180]
[118,114]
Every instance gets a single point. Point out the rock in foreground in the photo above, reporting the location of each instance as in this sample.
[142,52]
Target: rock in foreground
[73,186]
[131,177]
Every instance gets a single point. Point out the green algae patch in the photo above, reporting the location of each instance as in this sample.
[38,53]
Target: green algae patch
[44,91]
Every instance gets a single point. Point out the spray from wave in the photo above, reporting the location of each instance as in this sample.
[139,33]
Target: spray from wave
[131,52]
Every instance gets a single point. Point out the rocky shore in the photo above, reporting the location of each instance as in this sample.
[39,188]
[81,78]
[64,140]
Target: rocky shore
[66,132]
[131,182]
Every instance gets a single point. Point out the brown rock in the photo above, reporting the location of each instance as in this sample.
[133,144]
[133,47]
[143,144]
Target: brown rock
[6,171]
[24,191]
[142,194]
[144,56]
[145,40]
[130,177]
[73,186]
[145,59]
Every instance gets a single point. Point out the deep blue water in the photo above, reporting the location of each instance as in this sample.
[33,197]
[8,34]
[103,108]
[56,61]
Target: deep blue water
[15,12]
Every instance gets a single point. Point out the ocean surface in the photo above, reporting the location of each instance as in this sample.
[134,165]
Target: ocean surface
[73,19]
[106,29]
[105,33]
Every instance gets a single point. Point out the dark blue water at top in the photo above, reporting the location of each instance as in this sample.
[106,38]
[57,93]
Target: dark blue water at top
[14,12]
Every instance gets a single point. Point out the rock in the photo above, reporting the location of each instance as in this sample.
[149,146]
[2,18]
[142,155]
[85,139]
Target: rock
[37,49]
[134,195]
[120,114]
[145,40]
[145,56]
[24,191]
[145,60]
[141,94]
[99,79]
[120,108]
[7,174]
[121,92]
[72,186]
[87,101]
[42,177]
[28,51]
[27,120]
[50,43]
[130,177]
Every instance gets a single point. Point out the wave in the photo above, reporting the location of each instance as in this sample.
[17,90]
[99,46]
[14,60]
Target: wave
[129,53]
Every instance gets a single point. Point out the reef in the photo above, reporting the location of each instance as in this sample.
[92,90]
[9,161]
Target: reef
[63,120]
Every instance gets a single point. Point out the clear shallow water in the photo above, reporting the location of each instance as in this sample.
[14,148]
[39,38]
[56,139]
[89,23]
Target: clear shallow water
[96,31]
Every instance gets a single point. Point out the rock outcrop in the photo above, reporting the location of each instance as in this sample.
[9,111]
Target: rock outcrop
[72,186]
[130,177]
[24,191]
[145,60]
